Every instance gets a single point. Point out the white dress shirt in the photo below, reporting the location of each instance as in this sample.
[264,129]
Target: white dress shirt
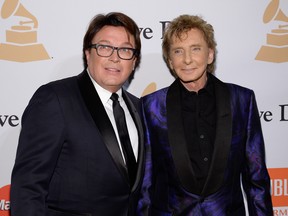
[107,103]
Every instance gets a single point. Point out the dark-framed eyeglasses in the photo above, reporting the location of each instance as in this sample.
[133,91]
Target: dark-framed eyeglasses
[125,53]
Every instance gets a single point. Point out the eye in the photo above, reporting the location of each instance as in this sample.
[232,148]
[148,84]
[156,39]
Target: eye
[177,52]
[104,47]
[125,50]
[196,49]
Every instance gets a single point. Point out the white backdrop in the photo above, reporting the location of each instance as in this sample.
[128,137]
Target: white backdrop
[240,33]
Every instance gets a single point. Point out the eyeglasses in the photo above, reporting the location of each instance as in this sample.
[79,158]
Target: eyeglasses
[125,53]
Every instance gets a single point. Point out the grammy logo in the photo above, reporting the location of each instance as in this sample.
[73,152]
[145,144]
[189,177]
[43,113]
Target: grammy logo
[152,87]
[276,48]
[21,40]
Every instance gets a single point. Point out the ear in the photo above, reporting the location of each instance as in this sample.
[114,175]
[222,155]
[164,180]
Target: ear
[210,56]
[170,64]
[134,62]
[87,54]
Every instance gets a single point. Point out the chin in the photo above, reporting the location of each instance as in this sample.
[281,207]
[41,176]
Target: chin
[187,80]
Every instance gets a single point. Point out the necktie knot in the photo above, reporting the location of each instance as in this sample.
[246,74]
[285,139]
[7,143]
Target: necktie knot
[114,97]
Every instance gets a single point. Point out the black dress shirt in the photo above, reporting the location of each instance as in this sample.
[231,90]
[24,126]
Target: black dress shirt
[199,120]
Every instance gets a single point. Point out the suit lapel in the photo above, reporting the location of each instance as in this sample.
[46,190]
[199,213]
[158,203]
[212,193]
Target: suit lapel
[221,145]
[222,139]
[101,120]
[177,138]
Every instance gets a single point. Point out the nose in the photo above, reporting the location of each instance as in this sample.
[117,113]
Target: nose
[114,57]
[187,58]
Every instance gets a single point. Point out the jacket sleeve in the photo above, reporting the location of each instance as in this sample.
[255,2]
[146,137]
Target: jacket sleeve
[255,178]
[40,142]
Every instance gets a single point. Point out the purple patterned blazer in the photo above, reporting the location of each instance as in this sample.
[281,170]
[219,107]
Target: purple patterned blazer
[238,156]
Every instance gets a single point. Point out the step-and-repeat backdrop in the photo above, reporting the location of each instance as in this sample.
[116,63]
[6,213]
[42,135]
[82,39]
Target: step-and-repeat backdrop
[41,41]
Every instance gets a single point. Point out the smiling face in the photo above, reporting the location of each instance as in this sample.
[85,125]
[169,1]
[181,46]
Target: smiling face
[111,72]
[189,56]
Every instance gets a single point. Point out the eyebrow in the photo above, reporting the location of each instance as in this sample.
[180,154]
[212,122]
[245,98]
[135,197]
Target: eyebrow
[109,43]
[181,47]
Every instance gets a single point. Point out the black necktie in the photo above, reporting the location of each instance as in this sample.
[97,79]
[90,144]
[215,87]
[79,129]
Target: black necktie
[124,138]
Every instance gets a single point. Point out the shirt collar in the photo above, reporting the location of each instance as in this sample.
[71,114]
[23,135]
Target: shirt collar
[103,93]
[209,87]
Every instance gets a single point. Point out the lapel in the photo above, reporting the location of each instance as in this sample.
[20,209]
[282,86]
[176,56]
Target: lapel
[138,123]
[176,138]
[101,119]
[222,139]
[222,142]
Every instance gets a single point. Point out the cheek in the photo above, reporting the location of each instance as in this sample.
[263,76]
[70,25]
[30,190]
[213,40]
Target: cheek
[129,65]
[171,64]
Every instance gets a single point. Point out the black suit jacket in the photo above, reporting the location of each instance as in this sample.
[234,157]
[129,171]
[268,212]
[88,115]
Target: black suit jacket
[68,160]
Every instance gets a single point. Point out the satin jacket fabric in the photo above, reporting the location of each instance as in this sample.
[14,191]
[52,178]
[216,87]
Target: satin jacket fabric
[68,160]
[238,156]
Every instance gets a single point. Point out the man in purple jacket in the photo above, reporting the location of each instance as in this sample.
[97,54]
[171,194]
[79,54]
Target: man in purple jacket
[204,135]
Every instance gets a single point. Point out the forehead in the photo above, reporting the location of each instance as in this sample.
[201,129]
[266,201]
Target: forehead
[114,34]
[193,35]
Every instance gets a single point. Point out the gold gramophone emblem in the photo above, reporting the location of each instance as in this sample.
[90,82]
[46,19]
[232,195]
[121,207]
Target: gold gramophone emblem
[276,48]
[21,40]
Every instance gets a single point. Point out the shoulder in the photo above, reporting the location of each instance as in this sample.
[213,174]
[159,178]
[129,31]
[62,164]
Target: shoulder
[240,96]
[238,90]
[61,85]
[65,83]
[158,93]
[131,96]
[234,89]
[54,89]
[155,100]
[131,99]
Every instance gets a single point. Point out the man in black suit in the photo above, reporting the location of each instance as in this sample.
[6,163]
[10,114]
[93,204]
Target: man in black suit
[70,160]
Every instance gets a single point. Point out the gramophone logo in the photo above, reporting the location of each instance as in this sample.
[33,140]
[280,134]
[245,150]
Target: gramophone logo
[149,89]
[21,40]
[276,48]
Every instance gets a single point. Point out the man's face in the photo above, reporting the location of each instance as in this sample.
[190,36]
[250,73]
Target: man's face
[189,57]
[111,72]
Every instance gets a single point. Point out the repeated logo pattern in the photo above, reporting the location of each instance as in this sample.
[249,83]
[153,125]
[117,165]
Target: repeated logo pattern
[276,48]
[21,40]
